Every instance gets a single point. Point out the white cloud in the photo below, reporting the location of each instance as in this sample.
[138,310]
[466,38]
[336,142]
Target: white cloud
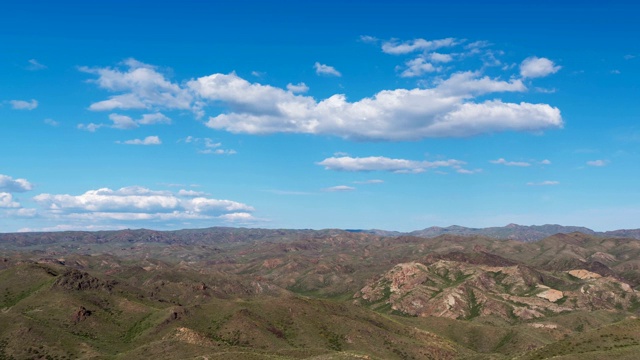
[544,183]
[502,161]
[218,151]
[34,65]
[629,57]
[478,44]
[322,69]
[22,212]
[91,127]
[124,122]
[136,203]
[157,118]
[598,162]
[51,122]
[534,67]
[442,111]
[545,90]
[142,87]
[339,188]
[418,67]
[615,72]
[191,193]
[468,172]
[381,163]
[239,217]
[545,162]
[6,201]
[442,58]
[447,109]
[210,146]
[149,140]
[8,184]
[299,88]
[368,39]
[397,48]
[24,105]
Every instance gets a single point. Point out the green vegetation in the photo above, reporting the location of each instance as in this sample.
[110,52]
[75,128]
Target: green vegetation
[263,294]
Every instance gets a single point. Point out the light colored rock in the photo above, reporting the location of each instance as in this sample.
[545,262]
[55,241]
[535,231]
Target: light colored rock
[451,300]
[552,295]
[544,326]
[584,274]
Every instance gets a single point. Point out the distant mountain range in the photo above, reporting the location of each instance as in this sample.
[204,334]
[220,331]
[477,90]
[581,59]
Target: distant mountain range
[229,234]
[511,231]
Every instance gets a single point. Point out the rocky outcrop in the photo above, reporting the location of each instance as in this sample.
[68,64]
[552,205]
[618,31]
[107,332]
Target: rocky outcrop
[584,274]
[81,314]
[467,289]
[552,295]
[78,280]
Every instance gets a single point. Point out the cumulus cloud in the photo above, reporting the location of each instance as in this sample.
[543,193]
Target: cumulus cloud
[141,86]
[395,47]
[339,188]
[598,163]
[149,140]
[449,108]
[137,203]
[9,184]
[545,162]
[298,88]
[156,118]
[24,105]
[442,111]
[535,67]
[238,217]
[322,69]
[544,183]
[418,67]
[441,58]
[6,201]
[122,122]
[22,212]
[381,163]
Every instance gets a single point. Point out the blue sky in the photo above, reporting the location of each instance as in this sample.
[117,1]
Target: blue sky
[286,114]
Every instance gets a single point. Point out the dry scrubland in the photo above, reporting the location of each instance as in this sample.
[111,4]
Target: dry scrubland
[225,293]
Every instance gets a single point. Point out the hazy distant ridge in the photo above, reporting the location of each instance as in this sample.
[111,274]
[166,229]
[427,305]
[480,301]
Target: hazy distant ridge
[511,231]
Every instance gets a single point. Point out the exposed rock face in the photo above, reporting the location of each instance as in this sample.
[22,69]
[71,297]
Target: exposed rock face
[584,274]
[552,295]
[78,280]
[462,290]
